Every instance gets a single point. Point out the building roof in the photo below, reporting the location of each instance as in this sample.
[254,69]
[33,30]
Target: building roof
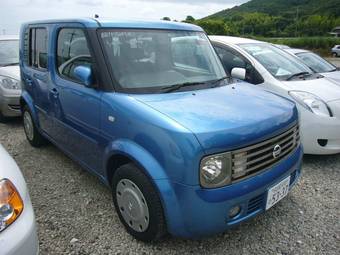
[115,23]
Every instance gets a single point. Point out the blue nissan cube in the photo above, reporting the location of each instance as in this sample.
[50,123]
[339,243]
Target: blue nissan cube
[148,108]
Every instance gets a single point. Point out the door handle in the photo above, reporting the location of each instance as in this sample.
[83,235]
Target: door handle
[54,92]
[29,82]
[42,77]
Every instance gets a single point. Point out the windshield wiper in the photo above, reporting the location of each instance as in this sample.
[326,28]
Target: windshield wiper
[216,83]
[298,74]
[175,87]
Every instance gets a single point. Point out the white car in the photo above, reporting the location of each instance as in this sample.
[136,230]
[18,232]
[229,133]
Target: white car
[317,63]
[10,84]
[317,98]
[336,51]
[17,223]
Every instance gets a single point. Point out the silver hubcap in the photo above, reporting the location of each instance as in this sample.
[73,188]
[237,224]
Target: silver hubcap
[28,125]
[132,205]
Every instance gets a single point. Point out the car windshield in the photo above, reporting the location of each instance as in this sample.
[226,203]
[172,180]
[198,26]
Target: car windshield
[9,52]
[154,60]
[316,63]
[279,63]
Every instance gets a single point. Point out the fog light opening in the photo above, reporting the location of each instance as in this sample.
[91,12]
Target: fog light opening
[234,211]
[322,142]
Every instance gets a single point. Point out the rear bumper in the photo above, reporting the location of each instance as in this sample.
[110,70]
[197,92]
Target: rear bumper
[193,212]
[10,105]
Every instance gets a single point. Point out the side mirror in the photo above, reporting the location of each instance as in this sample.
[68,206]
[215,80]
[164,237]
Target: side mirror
[84,75]
[238,73]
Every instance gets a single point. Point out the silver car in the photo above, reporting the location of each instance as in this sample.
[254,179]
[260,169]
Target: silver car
[10,85]
[317,64]
[336,51]
[17,223]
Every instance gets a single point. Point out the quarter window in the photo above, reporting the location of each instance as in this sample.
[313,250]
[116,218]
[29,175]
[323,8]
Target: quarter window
[72,51]
[38,48]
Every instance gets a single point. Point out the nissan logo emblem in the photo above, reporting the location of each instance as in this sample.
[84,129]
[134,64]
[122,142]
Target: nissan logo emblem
[277,151]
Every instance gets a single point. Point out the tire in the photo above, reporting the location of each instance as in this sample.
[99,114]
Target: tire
[2,118]
[334,54]
[137,203]
[32,134]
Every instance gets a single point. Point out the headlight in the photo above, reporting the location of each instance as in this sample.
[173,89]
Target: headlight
[11,204]
[311,102]
[215,171]
[9,83]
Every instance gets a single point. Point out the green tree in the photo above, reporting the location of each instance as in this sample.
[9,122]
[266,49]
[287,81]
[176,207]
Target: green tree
[190,19]
[166,18]
[214,27]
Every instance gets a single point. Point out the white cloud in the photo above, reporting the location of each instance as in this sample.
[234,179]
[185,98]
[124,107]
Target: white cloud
[15,12]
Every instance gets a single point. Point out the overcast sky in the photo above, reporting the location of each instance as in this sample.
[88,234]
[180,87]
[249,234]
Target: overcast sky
[14,12]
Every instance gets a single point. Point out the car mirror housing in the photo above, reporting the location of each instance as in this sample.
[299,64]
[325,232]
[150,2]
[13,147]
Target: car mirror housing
[84,75]
[238,73]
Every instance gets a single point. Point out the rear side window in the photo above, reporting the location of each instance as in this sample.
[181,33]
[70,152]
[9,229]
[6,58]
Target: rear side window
[37,56]
[72,51]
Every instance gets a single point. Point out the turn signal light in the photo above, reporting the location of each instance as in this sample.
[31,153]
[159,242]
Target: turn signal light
[11,204]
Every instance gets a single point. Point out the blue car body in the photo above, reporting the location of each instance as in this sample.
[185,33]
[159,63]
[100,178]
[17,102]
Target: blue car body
[165,134]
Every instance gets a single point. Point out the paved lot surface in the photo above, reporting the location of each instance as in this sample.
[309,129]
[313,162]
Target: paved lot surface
[75,214]
[335,61]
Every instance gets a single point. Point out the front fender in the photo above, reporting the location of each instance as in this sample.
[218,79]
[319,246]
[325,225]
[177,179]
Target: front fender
[27,99]
[138,155]
[162,182]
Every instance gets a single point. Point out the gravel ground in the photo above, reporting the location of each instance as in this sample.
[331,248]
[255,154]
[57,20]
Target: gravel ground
[75,214]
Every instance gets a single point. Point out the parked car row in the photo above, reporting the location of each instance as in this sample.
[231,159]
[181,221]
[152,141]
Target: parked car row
[10,88]
[172,123]
[269,67]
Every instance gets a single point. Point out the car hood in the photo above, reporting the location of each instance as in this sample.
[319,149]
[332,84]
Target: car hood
[333,76]
[10,71]
[228,117]
[324,88]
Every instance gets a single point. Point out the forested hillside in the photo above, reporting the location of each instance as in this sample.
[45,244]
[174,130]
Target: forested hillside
[275,18]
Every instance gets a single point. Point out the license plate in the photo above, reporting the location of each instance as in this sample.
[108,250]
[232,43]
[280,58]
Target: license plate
[277,192]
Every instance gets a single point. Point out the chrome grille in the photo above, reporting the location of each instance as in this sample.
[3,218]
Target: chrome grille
[255,158]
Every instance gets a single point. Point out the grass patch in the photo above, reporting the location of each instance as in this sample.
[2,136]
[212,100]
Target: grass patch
[321,45]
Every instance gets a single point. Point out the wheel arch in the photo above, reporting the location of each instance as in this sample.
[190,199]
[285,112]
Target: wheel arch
[26,100]
[124,151]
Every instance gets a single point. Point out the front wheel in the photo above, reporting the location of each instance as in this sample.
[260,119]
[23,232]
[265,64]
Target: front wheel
[137,203]
[32,134]
[2,118]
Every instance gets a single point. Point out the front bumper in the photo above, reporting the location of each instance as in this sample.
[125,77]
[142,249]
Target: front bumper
[10,105]
[194,212]
[21,236]
[316,130]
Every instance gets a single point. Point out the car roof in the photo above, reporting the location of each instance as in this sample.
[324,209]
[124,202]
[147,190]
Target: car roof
[232,39]
[296,51]
[114,23]
[8,37]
